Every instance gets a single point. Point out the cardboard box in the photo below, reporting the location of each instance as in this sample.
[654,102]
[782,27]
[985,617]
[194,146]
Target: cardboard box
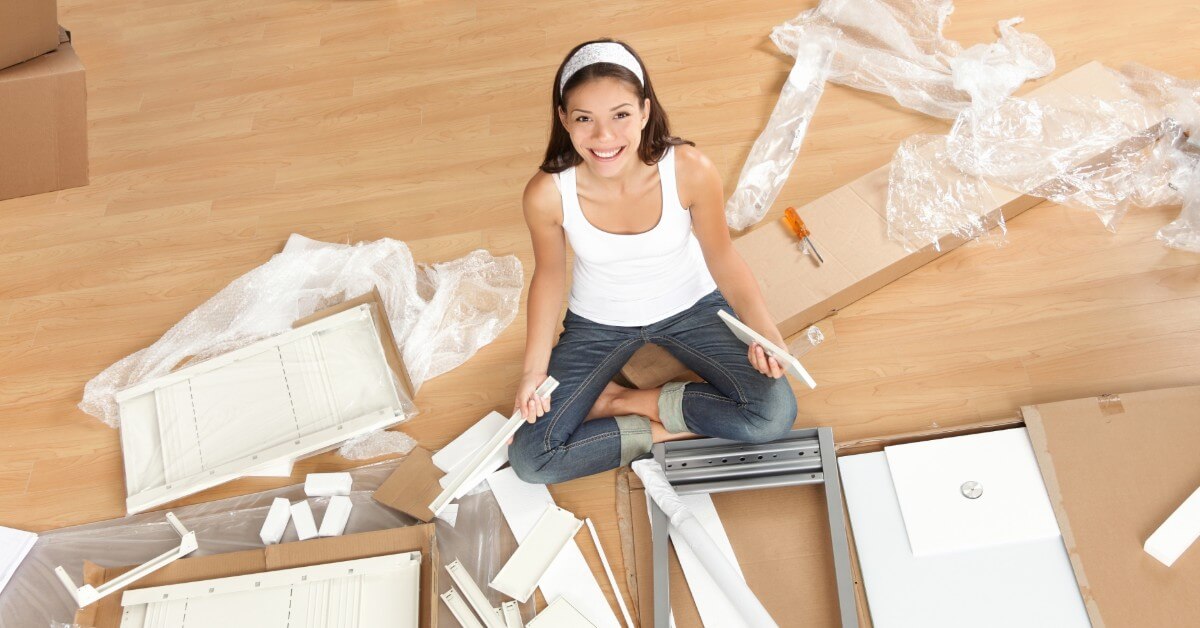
[43,123]
[106,613]
[850,226]
[1114,467]
[28,28]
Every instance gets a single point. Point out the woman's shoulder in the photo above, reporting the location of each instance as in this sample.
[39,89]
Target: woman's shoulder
[541,197]
[692,165]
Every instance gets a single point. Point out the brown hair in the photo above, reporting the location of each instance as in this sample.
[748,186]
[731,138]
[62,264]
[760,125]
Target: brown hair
[656,137]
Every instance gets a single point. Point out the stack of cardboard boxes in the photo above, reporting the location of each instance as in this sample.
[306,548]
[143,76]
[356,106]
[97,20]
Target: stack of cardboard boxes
[43,102]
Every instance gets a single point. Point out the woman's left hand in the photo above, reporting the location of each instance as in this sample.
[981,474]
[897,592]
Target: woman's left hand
[763,362]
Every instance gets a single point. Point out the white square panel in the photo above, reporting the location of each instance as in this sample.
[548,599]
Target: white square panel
[941,513]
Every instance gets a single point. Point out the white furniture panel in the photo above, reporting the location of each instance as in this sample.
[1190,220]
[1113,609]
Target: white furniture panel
[1008,503]
[1028,584]
[520,575]
[375,591]
[273,401]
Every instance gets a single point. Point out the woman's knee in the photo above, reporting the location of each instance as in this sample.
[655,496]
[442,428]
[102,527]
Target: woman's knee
[533,463]
[772,414]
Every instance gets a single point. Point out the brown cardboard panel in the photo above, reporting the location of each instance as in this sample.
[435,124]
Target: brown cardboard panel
[798,293]
[390,350]
[43,124]
[781,539]
[1115,467]
[106,613]
[28,28]
[412,486]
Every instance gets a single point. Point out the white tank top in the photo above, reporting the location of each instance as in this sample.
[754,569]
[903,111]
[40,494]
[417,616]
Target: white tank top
[634,279]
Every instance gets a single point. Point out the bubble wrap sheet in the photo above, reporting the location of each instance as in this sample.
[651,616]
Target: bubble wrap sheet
[440,315]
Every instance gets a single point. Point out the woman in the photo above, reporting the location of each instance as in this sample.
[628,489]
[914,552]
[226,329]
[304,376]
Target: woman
[644,213]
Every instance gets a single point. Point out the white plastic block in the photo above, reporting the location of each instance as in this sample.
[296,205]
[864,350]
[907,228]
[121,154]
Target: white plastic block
[1177,533]
[336,516]
[327,484]
[302,518]
[276,521]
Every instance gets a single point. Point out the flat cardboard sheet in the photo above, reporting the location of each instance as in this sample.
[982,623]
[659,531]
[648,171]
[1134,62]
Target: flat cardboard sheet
[780,537]
[849,226]
[106,613]
[1011,507]
[1115,467]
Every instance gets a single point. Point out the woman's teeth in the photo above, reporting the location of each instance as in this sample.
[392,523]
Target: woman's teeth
[607,154]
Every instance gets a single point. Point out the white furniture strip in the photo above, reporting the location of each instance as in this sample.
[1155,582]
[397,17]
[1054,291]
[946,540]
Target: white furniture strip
[302,518]
[14,547]
[967,492]
[788,361]
[512,615]
[276,522]
[327,484]
[255,408]
[475,466]
[1177,533]
[520,575]
[612,580]
[569,576]
[560,614]
[1022,584]
[337,515]
[454,455]
[86,594]
[474,595]
[460,610]
[382,590]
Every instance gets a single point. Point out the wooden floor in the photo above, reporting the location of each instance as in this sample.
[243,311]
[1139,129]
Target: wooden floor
[219,127]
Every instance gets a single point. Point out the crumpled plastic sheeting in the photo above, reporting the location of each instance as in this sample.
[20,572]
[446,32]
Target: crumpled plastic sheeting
[1104,155]
[440,315]
[896,48]
[1183,233]
[771,158]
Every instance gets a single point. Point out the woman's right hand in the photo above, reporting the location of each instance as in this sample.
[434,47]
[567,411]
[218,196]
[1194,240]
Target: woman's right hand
[528,401]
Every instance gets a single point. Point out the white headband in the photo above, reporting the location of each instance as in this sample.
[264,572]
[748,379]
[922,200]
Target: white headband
[600,52]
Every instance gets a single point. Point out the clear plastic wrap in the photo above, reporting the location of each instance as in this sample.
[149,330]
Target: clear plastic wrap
[1103,153]
[34,597]
[771,158]
[439,314]
[1183,233]
[896,48]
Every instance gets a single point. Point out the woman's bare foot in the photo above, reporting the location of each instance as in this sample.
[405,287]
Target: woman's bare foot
[605,405]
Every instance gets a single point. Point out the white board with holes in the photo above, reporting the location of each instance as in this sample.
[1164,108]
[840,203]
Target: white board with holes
[275,400]
[379,591]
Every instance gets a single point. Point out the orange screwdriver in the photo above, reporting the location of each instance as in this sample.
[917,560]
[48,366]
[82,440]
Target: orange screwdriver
[797,226]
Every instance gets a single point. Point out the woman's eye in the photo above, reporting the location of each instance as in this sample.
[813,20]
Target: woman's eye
[581,119]
[623,114]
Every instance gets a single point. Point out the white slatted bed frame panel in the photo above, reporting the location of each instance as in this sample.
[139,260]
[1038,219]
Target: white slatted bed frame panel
[379,591]
[279,399]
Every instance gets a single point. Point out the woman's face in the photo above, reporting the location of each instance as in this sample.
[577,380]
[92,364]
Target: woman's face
[605,122]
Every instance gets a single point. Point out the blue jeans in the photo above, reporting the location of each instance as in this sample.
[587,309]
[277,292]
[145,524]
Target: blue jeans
[735,402]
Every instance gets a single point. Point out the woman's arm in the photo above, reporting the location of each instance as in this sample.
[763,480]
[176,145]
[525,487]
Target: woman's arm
[701,188]
[543,216]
